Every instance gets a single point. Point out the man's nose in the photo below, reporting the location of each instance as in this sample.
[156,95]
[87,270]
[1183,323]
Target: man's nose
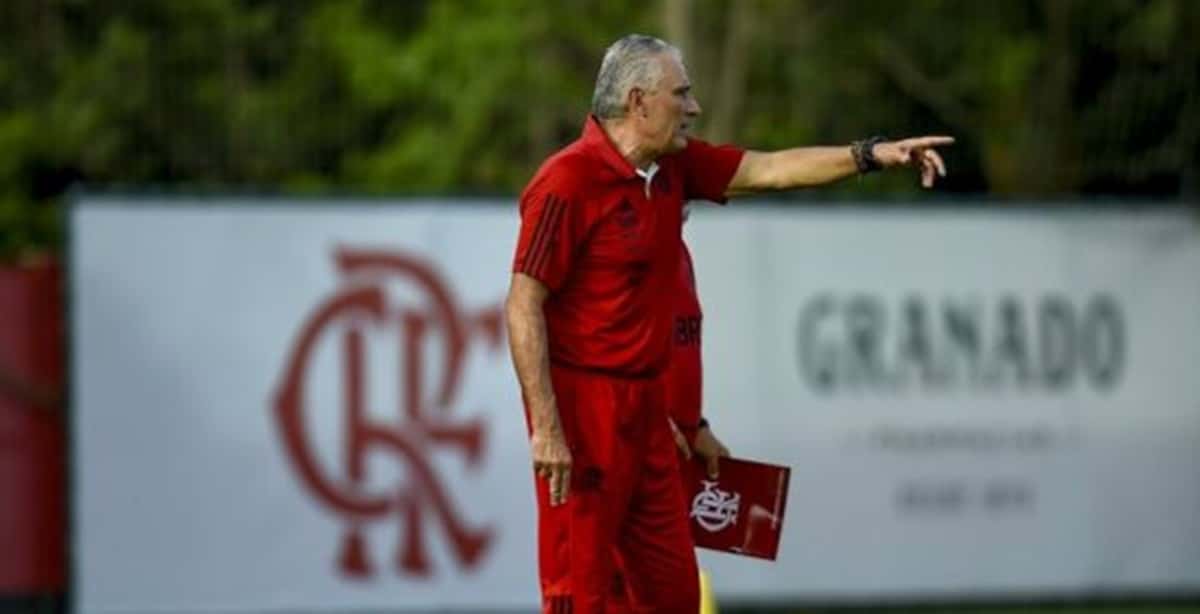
[693,107]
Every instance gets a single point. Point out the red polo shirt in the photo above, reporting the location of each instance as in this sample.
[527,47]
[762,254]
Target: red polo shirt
[607,246]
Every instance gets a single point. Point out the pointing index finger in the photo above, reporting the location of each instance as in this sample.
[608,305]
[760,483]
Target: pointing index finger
[930,141]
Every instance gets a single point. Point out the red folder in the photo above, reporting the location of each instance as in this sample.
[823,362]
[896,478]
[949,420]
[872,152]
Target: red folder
[741,511]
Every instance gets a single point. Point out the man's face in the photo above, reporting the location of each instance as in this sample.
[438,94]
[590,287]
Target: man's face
[665,112]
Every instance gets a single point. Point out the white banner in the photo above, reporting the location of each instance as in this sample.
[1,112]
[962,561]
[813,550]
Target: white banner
[972,403]
[290,405]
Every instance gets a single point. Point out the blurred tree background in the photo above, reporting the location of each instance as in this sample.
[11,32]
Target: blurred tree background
[1049,98]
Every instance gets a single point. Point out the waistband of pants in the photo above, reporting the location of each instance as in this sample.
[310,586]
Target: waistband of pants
[645,375]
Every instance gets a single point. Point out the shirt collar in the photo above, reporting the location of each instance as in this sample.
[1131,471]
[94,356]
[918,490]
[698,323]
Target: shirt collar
[597,141]
[648,175]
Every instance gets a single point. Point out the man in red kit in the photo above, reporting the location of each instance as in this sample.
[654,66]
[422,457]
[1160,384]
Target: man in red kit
[589,316]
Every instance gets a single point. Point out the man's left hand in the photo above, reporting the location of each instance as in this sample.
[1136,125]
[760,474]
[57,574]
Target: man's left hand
[708,447]
[919,153]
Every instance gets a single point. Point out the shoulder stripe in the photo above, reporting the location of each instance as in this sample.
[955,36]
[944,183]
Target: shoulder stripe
[544,236]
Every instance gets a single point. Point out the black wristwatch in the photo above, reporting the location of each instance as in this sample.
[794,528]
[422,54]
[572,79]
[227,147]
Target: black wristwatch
[864,154]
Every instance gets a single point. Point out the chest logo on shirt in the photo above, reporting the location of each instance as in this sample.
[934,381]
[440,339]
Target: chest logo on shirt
[627,220]
[393,309]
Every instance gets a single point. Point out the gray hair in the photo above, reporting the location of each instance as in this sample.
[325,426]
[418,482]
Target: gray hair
[628,63]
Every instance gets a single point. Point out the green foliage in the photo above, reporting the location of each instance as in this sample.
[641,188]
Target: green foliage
[449,96]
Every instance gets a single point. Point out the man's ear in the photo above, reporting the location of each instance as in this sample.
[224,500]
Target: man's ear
[636,101]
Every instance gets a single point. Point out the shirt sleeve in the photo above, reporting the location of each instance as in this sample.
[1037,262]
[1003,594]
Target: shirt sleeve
[552,229]
[708,169]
